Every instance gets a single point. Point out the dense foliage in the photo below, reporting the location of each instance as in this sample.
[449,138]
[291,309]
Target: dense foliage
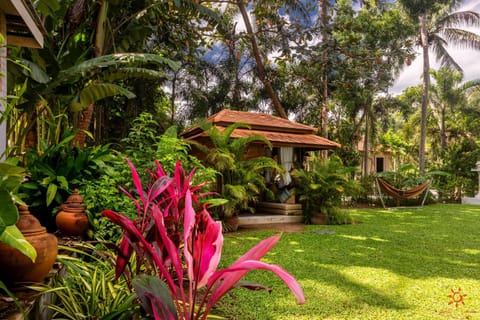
[322,63]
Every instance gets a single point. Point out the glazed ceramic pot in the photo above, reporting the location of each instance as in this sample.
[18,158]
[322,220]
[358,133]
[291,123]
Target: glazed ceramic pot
[15,267]
[72,220]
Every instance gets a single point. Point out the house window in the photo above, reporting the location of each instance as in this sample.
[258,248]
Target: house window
[379,164]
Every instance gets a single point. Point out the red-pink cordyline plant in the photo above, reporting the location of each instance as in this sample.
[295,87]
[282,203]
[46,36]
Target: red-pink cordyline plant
[176,240]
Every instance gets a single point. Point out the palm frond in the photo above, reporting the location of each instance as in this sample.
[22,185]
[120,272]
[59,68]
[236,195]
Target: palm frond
[227,133]
[221,160]
[462,38]
[206,13]
[239,145]
[442,55]
[465,18]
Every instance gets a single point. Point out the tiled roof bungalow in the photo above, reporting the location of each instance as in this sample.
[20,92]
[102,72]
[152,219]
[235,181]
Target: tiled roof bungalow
[291,142]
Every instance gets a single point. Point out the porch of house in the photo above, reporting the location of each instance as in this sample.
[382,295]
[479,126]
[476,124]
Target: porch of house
[269,214]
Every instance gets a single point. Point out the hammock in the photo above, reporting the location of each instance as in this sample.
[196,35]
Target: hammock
[402,193]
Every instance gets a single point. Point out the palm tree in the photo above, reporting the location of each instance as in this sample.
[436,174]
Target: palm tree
[440,25]
[240,180]
[444,94]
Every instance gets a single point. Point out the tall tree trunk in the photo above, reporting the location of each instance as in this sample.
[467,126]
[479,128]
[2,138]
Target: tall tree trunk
[258,60]
[86,115]
[426,82]
[324,74]
[366,146]
[443,131]
[174,94]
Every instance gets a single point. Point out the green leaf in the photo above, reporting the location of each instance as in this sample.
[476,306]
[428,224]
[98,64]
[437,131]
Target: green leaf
[51,193]
[216,202]
[47,7]
[13,237]
[8,209]
[123,73]
[96,92]
[154,292]
[63,182]
[99,64]
[35,72]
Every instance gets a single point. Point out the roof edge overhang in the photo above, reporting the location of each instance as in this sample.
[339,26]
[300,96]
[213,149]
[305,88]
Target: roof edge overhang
[296,140]
[24,27]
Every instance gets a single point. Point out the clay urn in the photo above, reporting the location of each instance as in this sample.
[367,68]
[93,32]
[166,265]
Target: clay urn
[15,267]
[72,220]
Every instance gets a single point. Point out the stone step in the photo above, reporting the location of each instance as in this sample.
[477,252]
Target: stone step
[271,208]
[259,219]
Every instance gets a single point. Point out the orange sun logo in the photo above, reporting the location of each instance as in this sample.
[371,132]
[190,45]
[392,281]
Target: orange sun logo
[456,297]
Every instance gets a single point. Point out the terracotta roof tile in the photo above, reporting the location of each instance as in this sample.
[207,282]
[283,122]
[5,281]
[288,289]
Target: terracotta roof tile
[279,131]
[290,139]
[259,121]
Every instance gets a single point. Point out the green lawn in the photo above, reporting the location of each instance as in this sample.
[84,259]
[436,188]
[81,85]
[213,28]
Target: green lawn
[396,264]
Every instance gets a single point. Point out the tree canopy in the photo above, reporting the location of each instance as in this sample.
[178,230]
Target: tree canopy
[327,64]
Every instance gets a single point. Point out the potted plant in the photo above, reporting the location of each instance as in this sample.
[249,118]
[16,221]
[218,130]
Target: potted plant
[11,178]
[27,251]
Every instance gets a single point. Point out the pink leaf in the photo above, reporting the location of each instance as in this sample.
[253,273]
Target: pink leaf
[137,240]
[230,279]
[171,248]
[259,250]
[160,172]
[158,187]
[207,248]
[125,252]
[135,201]
[230,276]
[136,180]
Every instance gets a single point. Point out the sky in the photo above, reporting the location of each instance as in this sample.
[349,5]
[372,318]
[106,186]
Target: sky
[469,60]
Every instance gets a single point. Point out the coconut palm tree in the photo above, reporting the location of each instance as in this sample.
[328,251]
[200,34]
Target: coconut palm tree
[440,26]
[445,93]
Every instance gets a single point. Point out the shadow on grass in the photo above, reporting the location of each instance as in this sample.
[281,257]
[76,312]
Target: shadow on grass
[438,241]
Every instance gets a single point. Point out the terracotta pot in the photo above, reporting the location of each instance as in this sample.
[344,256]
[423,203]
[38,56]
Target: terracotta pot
[15,267]
[231,224]
[71,220]
[319,218]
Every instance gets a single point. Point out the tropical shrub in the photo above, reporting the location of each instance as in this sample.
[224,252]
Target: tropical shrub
[458,160]
[55,170]
[88,288]
[104,193]
[339,216]
[240,180]
[144,143]
[407,176]
[177,247]
[324,184]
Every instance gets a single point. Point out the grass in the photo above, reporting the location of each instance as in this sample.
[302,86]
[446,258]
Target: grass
[396,264]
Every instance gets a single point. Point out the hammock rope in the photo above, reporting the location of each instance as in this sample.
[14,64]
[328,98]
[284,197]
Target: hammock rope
[402,193]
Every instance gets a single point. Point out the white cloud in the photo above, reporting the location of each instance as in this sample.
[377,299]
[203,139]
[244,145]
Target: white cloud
[469,60]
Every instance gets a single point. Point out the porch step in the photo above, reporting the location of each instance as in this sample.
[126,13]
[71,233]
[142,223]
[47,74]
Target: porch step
[259,219]
[279,208]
